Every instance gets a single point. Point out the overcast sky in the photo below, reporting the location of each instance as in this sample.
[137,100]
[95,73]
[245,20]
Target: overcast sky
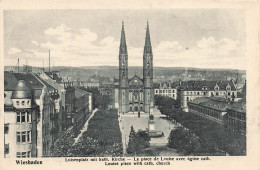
[213,38]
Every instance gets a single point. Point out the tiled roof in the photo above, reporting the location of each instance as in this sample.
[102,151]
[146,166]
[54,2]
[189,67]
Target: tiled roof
[79,93]
[49,87]
[198,85]
[31,81]
[10,81]
[212,102]
[173,85]
[239,106]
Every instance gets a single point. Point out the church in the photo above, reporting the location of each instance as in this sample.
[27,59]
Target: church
[134,94]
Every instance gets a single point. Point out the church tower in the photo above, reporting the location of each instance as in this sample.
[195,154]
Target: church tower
[148,72]
[123,74]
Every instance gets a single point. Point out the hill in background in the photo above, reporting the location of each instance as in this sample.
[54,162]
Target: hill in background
[160,73]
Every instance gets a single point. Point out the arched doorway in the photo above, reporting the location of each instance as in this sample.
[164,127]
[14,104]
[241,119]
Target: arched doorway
[130,109]
[141,108]
[136,108]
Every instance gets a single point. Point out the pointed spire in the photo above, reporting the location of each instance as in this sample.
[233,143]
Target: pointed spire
[123,48]
[148,45]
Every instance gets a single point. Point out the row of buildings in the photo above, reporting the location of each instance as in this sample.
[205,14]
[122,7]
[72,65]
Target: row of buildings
[186,91]
[37,108]
[220,101]
[232,114]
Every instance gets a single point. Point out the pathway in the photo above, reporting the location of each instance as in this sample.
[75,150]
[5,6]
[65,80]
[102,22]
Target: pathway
[85,128]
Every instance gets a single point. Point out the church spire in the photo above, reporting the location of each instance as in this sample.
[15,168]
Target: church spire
[123,48]
[148,46]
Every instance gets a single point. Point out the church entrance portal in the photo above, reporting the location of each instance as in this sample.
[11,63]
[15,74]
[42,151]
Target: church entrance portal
[136,108]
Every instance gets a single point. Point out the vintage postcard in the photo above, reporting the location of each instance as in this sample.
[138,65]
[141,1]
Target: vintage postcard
[130,85]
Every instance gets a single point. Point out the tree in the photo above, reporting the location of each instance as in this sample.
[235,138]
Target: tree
[137,141]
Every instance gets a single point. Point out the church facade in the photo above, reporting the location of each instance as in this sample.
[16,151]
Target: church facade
[134,94]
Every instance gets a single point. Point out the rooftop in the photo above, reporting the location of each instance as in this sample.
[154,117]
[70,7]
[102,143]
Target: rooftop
[208,85]
[79,93]
[239,106]
[212,102]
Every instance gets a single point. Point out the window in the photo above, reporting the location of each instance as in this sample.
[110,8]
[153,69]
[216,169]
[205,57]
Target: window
[18,137]
[160,91]
[173,91]
[163,91]
[28,102]
[28,117]
[156,91]
[228,94]
[18,117]
[23,102]
[29,136]
[216,93]
[17,103]
[23,117]
[23,137]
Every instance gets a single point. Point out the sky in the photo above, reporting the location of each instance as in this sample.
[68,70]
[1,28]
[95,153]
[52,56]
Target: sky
[201,38]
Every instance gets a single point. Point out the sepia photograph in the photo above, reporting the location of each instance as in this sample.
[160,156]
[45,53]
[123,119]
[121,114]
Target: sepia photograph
[125,84]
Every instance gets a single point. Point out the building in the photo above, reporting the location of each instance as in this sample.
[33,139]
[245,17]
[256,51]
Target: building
[83,107]
[212,108]
[69,105]
[107,89]
[55,110]
[54,80]
[134,94]
[91,84]
[41,96]
[166,89]
[236,114]
[190,90]
[20,119]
